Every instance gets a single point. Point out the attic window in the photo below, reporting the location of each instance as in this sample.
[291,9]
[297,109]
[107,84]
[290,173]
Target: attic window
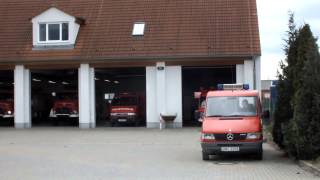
[53,32]
[138,29]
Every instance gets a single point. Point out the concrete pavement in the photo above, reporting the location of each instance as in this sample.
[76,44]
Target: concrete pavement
[129,153]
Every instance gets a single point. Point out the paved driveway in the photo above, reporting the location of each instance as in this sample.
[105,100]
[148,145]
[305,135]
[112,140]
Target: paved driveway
[128,153]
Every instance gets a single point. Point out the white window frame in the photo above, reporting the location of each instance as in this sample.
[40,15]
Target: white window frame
[47,41]
[138,23]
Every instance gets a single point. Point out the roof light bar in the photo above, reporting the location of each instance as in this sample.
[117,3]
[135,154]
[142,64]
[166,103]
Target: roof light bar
[233,87]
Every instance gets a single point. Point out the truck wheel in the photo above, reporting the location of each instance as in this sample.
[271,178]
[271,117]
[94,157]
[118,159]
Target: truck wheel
[205,156]
[137,123]
[259,154]
[112,124]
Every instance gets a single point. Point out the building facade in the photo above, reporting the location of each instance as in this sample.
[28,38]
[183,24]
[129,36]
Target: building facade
[177,46]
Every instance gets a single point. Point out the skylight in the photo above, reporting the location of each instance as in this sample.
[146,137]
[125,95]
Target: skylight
[138,29]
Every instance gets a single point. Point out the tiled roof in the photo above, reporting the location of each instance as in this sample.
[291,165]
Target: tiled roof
[174,28]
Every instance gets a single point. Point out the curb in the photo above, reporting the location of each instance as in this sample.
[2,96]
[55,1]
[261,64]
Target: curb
[309,167]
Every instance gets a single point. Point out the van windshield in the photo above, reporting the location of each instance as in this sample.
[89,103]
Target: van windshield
[231,106]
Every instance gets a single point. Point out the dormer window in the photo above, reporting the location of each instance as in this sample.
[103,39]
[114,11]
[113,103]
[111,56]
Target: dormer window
[53,32]
[54,29]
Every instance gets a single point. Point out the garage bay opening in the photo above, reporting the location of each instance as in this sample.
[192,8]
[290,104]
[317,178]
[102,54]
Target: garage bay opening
[54,97]
[120,97]
[196,81]
[6,98]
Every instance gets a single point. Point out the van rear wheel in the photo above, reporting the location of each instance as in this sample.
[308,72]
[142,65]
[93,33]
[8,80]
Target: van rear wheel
[205,156]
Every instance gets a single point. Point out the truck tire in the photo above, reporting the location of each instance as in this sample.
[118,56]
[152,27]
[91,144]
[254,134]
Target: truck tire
[205,156]
[259,154]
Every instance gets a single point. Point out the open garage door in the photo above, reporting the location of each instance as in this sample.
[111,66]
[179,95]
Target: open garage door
[196,79]
[54,97]
[120,96]
[6,98]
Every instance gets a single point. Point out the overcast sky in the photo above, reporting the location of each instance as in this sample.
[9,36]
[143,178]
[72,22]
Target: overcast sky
[273,20]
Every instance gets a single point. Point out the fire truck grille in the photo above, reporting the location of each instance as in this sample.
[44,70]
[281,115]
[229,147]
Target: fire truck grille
[63,111]
[236,137]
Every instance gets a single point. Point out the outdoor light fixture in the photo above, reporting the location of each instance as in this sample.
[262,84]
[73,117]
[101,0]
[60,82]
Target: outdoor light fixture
[160,68]
[52,82]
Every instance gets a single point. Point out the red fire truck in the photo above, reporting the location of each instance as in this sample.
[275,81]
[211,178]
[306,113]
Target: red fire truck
[65,106]
[6,105]
[127,108]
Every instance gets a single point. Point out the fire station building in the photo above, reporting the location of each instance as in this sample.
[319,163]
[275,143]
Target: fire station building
[162,50]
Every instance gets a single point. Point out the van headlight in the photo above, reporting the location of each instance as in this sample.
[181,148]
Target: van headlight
[207,136]
[254,136]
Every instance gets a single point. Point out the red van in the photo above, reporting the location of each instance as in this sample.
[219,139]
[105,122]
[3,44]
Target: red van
[232,122]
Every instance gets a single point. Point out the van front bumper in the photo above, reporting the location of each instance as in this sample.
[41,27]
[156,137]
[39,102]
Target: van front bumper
[244,147]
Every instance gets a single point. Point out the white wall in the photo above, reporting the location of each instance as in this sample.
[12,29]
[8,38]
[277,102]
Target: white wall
[258,72]
[249,73]
[240,73]
[174,92]
[164,94]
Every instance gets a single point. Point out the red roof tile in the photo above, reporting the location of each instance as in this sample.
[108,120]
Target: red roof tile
[174,28]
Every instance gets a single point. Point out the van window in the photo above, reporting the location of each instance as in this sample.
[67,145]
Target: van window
[231,106]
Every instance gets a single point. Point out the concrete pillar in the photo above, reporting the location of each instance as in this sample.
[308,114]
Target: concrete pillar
[164,94]
[174,94]
[257,61]
[249,73]
[151,99]
[240,73]
[22,97]
[86,97]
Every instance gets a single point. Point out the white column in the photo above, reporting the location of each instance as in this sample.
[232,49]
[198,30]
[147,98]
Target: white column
[240,73]
[151,99]
[174,94]
[92,98]
[22,97]
[161,88]
[249,73]
[258,73]
[86,97]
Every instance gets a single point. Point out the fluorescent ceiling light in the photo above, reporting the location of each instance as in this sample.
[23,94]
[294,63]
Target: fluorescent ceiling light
[36,80]
[52,82]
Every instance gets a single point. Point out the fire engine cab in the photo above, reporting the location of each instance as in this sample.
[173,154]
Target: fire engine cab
[232,122]
[65,106]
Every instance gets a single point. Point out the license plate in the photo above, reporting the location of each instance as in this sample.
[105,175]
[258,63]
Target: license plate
[122,120]
[230,149]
